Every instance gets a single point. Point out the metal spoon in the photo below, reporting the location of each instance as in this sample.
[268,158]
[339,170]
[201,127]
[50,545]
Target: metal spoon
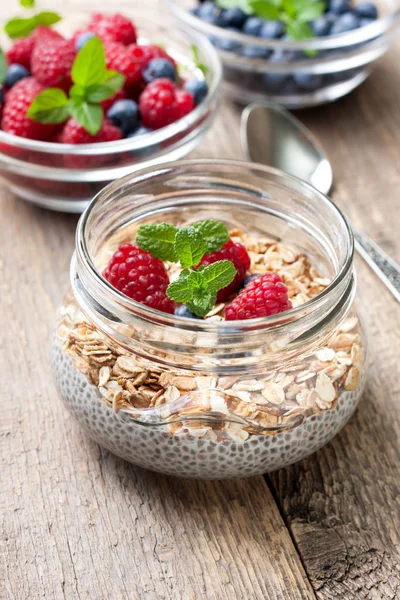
[274,137]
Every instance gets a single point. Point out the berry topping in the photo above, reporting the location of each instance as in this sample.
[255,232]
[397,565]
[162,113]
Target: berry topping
[140,276]
[198,89]
[118,58]
[162,103]
[265,295]
[115,28]
[159,68]
[237,254]
[21,51]
[144,54]
[75,133]
[124,114]
[14,74]
[45,34]
[52,62]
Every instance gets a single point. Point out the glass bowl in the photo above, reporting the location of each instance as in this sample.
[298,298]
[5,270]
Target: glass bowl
[208,398]
[65,177]
[285,73]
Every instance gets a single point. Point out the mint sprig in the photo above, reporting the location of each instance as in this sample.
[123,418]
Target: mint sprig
[27,3]
[21,27]
[3,66]
[195,287]
[92,83]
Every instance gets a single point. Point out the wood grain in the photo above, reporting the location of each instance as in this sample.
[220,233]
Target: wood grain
[79,523]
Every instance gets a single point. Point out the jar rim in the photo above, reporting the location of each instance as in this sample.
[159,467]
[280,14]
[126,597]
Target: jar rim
[149,314]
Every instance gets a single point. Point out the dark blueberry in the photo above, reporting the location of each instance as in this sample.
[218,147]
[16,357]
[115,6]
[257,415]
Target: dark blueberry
[247,280]
[364,21]
[183,311]
[321,26]
[225,43]
[198,88]
[331,17]
[308,81]
[272,30]
[159,68]
[1,94]
[252,26]
[254,52]
[139,131]
[82,39]
[366,10]
[346,22]
[195,11]
[14,74]
[125,115]
[208,12]
[232,17]
[280,56]
[274,82]
[339,6]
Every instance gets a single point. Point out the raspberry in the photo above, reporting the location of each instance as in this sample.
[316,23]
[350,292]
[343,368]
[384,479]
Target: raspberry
[15,119]
[265,295]
[162,103]
[119,59]
[45,34]
[140,276]
[74,133]
[144,54]
[237,254]
[115,28]
[20,52]
[52,62]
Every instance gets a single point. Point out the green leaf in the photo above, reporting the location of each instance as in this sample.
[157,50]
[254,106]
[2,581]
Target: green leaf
[78,91]
[89,66]
[21,27]
[218,275]
[90,116]
[3,66]
[299,31]
[159,241]
[243,4]
[289,6]
[27,3]
[101,91]
[214,233]
[265,9]
[181,290]
[202,302]
[197,61]
[190,246]
[311,11]
[50,106]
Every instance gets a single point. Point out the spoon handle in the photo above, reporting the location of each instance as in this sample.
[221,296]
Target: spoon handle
[382,264]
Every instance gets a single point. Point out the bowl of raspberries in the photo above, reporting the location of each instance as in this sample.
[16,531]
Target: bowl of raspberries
[298,53]
[87,99]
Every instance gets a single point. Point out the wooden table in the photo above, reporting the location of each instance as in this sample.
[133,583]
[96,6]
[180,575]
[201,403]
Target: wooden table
[80,523]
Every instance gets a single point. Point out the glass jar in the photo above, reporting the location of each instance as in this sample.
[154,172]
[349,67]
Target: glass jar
[213,398]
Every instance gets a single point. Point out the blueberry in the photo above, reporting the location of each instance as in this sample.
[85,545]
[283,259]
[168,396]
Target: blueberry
[331,17]
[226,44]
[321,26]
[232,17]
[139,131]
[254,52]
[247,280]
[272,30]
[157,68]
[280,56]
[364,21]
[346,22]
[308,81]
[339,6]
[125,115]
[1,94]
[366,10]
[208,12]
[252,26]
[274,82]
[198,88]
[82,39]
[14,74]
[183,311]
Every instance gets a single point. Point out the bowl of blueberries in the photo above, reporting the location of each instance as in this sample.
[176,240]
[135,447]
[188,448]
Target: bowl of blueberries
[298,53]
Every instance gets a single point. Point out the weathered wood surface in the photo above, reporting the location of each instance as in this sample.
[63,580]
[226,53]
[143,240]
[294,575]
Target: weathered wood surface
[79,523]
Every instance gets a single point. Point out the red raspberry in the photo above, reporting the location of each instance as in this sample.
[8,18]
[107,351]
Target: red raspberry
[263,296]
[115,28]
[52,62]
[144,54]
[21,52]
[74,133]
[140,276]
[44,34]
[237,254]
[15,119]
[119,59]
[163,103]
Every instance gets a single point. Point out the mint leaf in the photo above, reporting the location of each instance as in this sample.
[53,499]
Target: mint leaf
[50,106]
[27,3]
[289,7]
[299,31]
[21,27]
[265,9]
[197,61]
[190,246]
[90,64]
[214,233]
[218,275]
[90,116]
[243,4]
[3,66]
[159,241]
[98,92]
[181,290]
[310,12]
[202,302]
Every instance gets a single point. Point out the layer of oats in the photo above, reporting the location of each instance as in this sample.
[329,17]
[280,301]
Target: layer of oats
[278,398]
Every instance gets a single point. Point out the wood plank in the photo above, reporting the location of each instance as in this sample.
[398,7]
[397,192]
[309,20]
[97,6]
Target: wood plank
[342,504]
